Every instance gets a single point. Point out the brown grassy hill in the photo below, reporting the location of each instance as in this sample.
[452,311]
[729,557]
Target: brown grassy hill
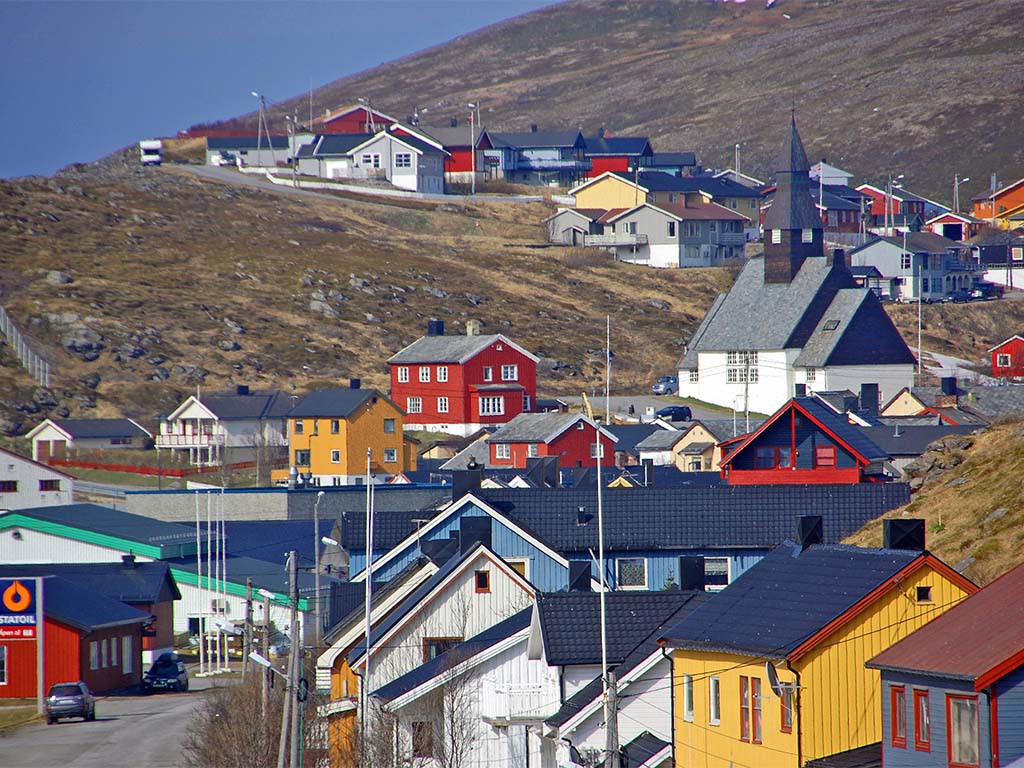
[975,508]
[919,87]
[177,282]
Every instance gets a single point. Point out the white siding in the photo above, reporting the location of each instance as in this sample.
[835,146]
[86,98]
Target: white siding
[37,547]
[578,676]
[28,475]
[890,378]
[774,386]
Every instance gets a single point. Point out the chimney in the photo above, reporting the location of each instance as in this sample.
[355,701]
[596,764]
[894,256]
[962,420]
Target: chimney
[579,575]
[454,122]
[810,530]
[472,531]
[128,561]
[465,481]
[839,259]
[581,515]
[869,399]
[533,127]
[903,533]
[691,573]
[949,385]
[800,390]
[435,327]
[648,472]
[242,389]
[472,327]
[355,383]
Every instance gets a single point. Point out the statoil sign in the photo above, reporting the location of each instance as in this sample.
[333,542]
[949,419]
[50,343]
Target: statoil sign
[18,618]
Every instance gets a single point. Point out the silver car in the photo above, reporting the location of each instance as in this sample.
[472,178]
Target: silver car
[70,700]
[666,385]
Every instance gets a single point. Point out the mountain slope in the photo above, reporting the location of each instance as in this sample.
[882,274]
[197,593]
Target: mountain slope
[916,87]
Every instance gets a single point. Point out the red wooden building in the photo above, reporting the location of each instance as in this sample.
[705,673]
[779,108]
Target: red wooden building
[900,202]
[86,637]
[354,119]
[804,442]
[1008,358]
[459,384]
[616,153]
[572,437]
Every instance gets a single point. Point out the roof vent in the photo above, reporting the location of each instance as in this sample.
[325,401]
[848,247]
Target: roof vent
[242,389]
[579,575]
[128,560]
[691,573]
[810,530]
[903,533]
[435,327]
[581,515]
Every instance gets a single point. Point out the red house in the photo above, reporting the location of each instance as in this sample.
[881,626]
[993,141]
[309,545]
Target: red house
[572,437]
[86,637]
[901,202]
[616,153]
[460,384]
[1008,358]
[803,442]
[355,119]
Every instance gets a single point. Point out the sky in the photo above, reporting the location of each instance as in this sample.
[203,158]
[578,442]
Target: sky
[79,80]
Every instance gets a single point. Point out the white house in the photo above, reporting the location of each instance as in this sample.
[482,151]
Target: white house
[63,438]
[830,174]
[26,483]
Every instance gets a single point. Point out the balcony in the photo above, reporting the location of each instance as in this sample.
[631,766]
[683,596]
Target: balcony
[729,238]
[615,239]
[178,440]
[507,703]
[551,164]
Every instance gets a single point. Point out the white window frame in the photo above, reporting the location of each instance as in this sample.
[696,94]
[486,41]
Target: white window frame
[807,236]
[127,655]
[403,374]
[688,698]
[424,374]
[492,405]
[714,701]
[510,373]
[488,373]
[738,363]
[776,236]
[403,160]
[414,405]
[597,449]
[103,653]
[527,403]
[524,561]
[618,573]
[94,655]
[812,374]
[502,451]
[442,373]
[442,405]
[531,450]
[113,652]
[390,455]
[1003,360]
[694,376]
[336,456]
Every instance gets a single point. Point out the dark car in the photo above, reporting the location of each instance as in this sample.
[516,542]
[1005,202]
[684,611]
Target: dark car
[70,700]
[959,296]
[675,413]
[168,673]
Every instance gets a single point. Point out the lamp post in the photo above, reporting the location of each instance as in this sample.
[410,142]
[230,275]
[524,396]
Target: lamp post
[259,127]
[957,181]
[472,145]
[890,216]
[737,159]
[316,566]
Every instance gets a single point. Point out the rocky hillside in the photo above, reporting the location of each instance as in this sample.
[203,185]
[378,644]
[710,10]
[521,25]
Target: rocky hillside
[916,87]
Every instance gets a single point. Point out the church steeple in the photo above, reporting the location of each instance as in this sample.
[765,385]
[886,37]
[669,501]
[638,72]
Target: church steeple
[792,225]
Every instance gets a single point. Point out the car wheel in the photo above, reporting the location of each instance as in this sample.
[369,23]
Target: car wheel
[92,715]
[51,720]
[184,686]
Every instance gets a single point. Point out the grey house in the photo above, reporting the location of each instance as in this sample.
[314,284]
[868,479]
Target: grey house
[406,162]
[535,157]
[248,150]
[571,226]
[920,265]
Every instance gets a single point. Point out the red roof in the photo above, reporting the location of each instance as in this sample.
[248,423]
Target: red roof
[612,214]
[979,640]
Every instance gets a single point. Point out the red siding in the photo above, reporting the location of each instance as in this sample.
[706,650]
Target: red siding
[601,164]
[792,476]
[572,448]
[461,161]
[353,122]
[1015,349]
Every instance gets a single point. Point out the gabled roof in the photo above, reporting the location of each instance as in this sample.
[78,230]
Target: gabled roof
[451,349]
[965,218]
[671,160]
[911,439]
[629,436]
[683,211]
[140,582]
[645,751]
[660,440]
[777,606]
[989,194]
[536,139]
[542,427]
[33,462]
[961,643]
[338,144]
[901,194]
[84,429]
[716,186]
[342,111]
[77,606]
[233,406]
[724,429]
[339,402]
[604,146]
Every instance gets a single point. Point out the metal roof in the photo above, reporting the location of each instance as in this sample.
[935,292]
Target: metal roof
[336,144]
[449,349]
[670,160]
[139,582]
[601,146]
[539,427]
[246,142]
[100,428]
[536,139]
[339,402]
[255,405]
[69,602]
[115,523]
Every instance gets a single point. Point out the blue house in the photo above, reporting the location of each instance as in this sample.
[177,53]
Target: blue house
[953,691]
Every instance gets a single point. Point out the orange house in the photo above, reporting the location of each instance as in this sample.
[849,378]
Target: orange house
[1005,199]
[331,431]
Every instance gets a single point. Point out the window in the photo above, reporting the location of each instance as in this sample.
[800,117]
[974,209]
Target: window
[390,455]
[922,722]
[812,374]
[740,365]
[403,160]
[302,458]
[335,426]
[898,715]
[833,218]
[488,373]
[120,441]
[924,260]
[714,701]
[629,228]
[509,372]
[425,374]
[716,573]
[694,376]
[113,651]
[744,708]
[435,646]
[527,403]
[776,236]
[482,581]
[772,457]
[830,325]
[442,405]
[786,721]
[755,706]
[531,450]
[691,228]
[389,426]
[442,373]
[335,457]
[924,285]
[371,160]
[632,572]
[671,197]
[403,374]
[713,226]
[671,229]
[502,451]
[423,740]
[597,450]
[923,594]
[906,261]
[127,655]
[962,722]
[94,655]
[414,405]
[299,427]
[103,652]
[752,205]
[688,698]
[520,565]
[807,236]
[824,456]
[1003,361]
[3,665]
[49,485]
[734,204]
[492,406]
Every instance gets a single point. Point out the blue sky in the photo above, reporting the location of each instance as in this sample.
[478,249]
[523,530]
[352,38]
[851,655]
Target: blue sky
[81,79]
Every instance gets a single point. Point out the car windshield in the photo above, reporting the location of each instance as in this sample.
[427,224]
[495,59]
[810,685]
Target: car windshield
[65,690]
[165,668]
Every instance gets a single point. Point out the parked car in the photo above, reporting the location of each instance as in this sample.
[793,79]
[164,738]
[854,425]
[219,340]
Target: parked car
[70,700]
[675,413]
[959,296]
[987,291]
[168,673]
[666,385]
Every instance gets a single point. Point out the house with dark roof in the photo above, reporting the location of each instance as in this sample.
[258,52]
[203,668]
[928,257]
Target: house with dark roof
[572,437]
[27,483]
[893,208]
[207,430]
[458,139]
[571,226]
[995,203]
[253,150]
[87,636]
[953,691]
[64,438]
[793,316]
[672,163]
[955,226]
[462,384]
[332,433]
[952,405]
[770,671]
[535,156]
[803,442]
[616,153]
[928,266]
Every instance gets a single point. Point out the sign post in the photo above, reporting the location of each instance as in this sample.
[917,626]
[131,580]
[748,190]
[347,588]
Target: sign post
[21,619]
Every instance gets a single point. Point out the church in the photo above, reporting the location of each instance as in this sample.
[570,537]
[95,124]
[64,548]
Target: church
[794,316]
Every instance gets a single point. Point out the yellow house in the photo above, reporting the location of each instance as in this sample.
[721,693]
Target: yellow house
[770,671]
[331,430]
[612,190]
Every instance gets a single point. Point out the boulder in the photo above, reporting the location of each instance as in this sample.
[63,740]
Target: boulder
[56,277]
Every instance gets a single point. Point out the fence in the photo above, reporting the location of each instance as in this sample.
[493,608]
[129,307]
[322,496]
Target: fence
[33,363]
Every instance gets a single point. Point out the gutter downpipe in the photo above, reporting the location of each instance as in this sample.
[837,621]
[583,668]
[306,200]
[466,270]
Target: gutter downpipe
[672,698]
[993,727]
[799,718]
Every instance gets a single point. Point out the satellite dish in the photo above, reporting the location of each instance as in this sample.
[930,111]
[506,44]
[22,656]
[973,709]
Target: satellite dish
[773,678]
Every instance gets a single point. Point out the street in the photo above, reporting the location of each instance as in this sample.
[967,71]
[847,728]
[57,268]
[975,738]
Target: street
[136,731]
[620,405]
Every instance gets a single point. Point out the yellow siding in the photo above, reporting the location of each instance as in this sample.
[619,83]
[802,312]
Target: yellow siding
[905,404]
[841,702]
[698,435]
[610,192]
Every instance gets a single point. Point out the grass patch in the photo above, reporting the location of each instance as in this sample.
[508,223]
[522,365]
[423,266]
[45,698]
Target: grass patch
[16,712]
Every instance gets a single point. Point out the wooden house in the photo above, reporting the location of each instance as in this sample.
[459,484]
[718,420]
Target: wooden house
[572,437]
[1008,358]
[65,438]
[995,204]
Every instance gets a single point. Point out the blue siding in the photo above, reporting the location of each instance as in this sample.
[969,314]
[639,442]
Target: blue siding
[1010,693]
[808,436]
[665,562]
[896,757]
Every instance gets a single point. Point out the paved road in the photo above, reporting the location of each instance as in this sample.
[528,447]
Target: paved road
[130,731]
[620,405]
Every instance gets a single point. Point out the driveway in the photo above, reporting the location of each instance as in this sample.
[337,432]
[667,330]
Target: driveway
[137,731]
[620,405]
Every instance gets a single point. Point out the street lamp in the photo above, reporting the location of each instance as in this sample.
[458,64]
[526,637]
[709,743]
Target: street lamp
[889,213]
[316,561]
[472,144]
[259,126]
[957,181]
[737,163]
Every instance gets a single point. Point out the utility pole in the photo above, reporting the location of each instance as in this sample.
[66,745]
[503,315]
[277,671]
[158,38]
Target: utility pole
[316,569]
[611,724]
[246,662]
[282,746]
[746,392]
[266,653]
[294,663]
